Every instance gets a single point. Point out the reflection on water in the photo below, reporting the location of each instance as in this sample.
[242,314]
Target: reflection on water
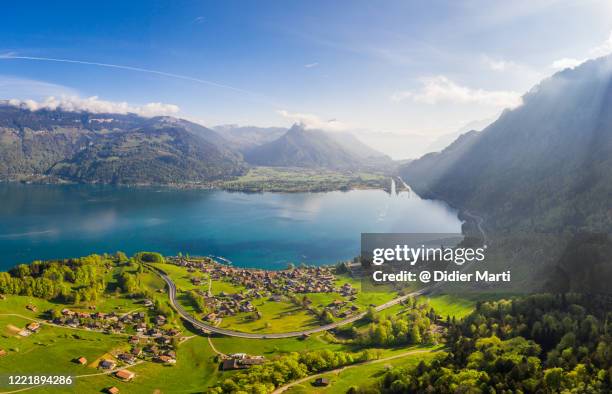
[265,230]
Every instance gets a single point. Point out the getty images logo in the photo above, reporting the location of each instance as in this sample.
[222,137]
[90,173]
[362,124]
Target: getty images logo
[410,255]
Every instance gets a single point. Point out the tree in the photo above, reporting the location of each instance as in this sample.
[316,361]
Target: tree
[553,378]
[415,335]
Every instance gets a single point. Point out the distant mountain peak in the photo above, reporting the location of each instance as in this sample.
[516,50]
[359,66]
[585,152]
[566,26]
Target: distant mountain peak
[302,147]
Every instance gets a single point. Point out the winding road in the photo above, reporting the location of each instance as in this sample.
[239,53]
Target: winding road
[239,334]
[479,220]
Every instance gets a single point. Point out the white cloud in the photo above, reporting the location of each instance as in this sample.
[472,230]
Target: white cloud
[498,64]
[311,65]
[95,105]
[313,121]
[605,48]
[441,89]
[566,62]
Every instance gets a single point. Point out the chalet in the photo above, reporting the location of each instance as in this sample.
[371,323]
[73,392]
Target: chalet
[34,326]
[112,390]
[160,320]
[32,307]
[165,359]
[125,375]
[153,332]
[152,349]
[81,360]
[231,364]
[136,351]
[321,382]
[127,357]
[24,333]
[67,312]
[2,352]
[134,340]
[107,364]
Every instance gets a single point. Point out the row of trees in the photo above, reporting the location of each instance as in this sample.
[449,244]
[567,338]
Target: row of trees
[77,279]
[410,328]
[265,378]
[82,278]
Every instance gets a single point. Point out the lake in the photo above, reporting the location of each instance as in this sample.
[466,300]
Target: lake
[266,230]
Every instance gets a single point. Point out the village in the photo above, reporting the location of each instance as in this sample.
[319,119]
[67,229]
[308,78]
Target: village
[147,333]
[275,286]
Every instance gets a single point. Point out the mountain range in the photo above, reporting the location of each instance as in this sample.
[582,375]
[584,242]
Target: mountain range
[129,149]
[111,148]
[544,166]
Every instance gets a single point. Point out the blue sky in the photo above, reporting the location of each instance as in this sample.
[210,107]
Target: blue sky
[408,68]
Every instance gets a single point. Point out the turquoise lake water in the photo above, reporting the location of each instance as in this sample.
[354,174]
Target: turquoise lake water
[266,230]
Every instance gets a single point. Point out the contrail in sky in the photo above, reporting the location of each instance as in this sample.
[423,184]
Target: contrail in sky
[137,69]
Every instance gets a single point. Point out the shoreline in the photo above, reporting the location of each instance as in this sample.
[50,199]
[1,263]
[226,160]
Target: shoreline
[212,185]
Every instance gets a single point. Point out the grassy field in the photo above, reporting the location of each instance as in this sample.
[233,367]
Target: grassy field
[451,305]
[275,317]
[182,278]
[365,299]
[219,286]
[282,179]
[360,375]
[17,305]
[52,349]
[270,347]
[194,372]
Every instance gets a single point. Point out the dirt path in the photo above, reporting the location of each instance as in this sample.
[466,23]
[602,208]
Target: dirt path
[212,346]
[338,370]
